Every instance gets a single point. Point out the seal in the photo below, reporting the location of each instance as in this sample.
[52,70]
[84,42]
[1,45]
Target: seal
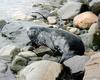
[61,41]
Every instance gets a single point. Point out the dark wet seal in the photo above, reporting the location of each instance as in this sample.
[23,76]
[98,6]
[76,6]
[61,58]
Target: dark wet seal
[61,41]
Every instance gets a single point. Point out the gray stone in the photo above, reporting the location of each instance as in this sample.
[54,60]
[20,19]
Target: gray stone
[95,6]
[18,63]
[2,24]
[82,1]
[40,70]
[9,51]
[93,28]
[69,10]
[76,63]
[18,31]
[5,72]
[87,39]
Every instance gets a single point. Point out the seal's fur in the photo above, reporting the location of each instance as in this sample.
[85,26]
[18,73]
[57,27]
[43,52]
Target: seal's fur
[62,41]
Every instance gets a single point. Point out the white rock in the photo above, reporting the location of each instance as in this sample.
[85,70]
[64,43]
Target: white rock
[40,70]
[75,30]
[9,51]
[52,20]
[27,54]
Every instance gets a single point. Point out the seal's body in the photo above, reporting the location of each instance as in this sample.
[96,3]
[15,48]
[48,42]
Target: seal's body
[64,42]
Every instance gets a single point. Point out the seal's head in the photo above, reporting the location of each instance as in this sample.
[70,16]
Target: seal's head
[33,32]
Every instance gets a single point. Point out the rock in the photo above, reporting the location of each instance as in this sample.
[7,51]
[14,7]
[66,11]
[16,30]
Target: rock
[87,39]
[4,41]
[91,40]
[40,23]
[42,51]
[82,1]
[92,69]
[52,20]
[76,63]
[95,6]
[2,24]
[51,58]
[27,54]
[85,20]
[69,10]
[74,31]
[93,28]
[17,30]
[8,52]
[41,70]
[19,15]
[18,63]
[5,72]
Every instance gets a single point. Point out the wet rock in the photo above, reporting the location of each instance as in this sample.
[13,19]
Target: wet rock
[43,70]
[69,10]
[75,31]
[77,63]
[95,6]
[18,63]
[93,28]
[27,54]
[85,20]
[5,72]
[8,52]
[2,24]
[42,50]
[17,30]
[19,15]
[52,20]
[92,69]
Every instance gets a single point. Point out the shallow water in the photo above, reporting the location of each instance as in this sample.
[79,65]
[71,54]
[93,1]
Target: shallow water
[8,7]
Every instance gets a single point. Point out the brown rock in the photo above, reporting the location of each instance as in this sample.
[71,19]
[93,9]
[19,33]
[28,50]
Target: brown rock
[92,68]
[85,20]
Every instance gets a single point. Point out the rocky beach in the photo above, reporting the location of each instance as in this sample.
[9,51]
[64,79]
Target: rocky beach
[56,29]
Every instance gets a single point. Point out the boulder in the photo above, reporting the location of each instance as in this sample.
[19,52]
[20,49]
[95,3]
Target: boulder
[92,69]
[76,63]
[69,10]
[8,52]
[85,20]
[41,70]
[95,6]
